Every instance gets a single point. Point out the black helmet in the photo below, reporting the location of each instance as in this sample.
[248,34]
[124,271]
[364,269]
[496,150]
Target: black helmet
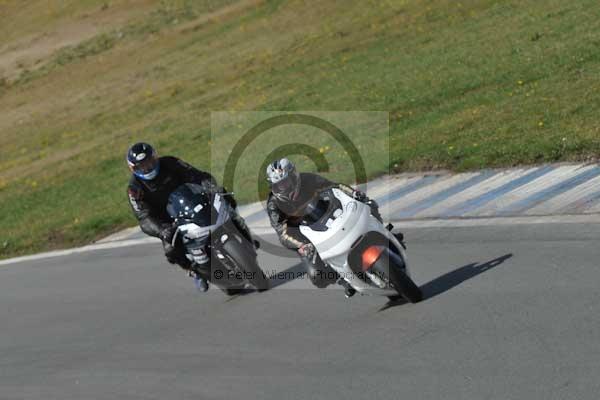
[143,161]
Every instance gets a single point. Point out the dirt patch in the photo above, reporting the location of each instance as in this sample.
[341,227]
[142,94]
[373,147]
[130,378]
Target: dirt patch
[32,51]
[218,15]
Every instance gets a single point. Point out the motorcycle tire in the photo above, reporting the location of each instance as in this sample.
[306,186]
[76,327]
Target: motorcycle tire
[246,261]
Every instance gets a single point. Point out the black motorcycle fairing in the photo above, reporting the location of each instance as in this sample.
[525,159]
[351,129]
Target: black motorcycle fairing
[192,203]
[218,251]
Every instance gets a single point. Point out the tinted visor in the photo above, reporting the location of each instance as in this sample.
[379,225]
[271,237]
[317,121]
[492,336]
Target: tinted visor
[146,166]
[286,186]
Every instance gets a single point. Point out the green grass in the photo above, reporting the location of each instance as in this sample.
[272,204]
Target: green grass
[468,85]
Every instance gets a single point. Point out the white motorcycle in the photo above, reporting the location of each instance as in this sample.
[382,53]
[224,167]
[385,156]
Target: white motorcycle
[365,254]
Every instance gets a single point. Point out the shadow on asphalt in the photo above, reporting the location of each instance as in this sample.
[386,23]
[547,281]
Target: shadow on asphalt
[450,279]
[285,276]
[431,289]
[278,279]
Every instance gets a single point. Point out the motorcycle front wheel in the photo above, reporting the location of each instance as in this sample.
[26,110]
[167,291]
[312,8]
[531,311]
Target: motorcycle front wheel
[246,261]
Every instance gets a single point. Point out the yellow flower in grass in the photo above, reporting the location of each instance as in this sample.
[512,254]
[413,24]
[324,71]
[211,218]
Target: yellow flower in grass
[541,124]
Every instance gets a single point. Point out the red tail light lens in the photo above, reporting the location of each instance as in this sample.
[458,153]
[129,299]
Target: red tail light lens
[370,256]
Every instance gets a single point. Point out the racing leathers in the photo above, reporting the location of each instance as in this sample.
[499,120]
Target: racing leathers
[286,215]
[148,200]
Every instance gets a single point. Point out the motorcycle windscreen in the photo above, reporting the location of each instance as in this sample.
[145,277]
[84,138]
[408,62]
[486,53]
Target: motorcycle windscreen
[189,203]
[320,212]
[315,210]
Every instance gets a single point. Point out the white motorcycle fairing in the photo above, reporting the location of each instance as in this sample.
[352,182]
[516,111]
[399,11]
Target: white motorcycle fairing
[346,226]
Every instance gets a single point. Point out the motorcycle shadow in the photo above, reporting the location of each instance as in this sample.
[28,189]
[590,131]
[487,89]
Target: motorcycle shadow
[282,277]
[449,280]
[277,279]
[232,297]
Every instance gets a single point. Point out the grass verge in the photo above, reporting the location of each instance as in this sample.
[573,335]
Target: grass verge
[468,84]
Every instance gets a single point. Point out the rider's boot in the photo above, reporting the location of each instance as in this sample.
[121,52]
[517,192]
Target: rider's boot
[200,282]
[398,235]
[349,291]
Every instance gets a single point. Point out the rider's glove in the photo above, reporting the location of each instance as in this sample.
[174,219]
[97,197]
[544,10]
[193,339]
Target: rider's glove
[372,203]
[170,254]
[360,196]
[166,234]
[306,250]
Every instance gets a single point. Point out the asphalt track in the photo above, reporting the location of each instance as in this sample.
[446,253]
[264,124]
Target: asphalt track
[512,312]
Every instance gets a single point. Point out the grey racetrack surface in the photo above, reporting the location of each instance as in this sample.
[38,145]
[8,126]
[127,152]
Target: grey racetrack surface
[511,313]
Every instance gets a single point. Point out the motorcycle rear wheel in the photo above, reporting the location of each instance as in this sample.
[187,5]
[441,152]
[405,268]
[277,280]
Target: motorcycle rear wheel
[405,286]
[390,267]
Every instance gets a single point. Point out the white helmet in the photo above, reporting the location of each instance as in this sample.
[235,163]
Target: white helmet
[284,179]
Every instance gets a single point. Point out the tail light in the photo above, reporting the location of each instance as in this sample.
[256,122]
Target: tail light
[370,256]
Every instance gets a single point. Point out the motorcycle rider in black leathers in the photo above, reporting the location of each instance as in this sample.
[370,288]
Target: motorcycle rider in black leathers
[152,181]
[291,191]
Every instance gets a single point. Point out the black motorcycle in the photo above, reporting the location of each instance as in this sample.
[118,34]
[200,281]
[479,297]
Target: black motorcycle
[214,245]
